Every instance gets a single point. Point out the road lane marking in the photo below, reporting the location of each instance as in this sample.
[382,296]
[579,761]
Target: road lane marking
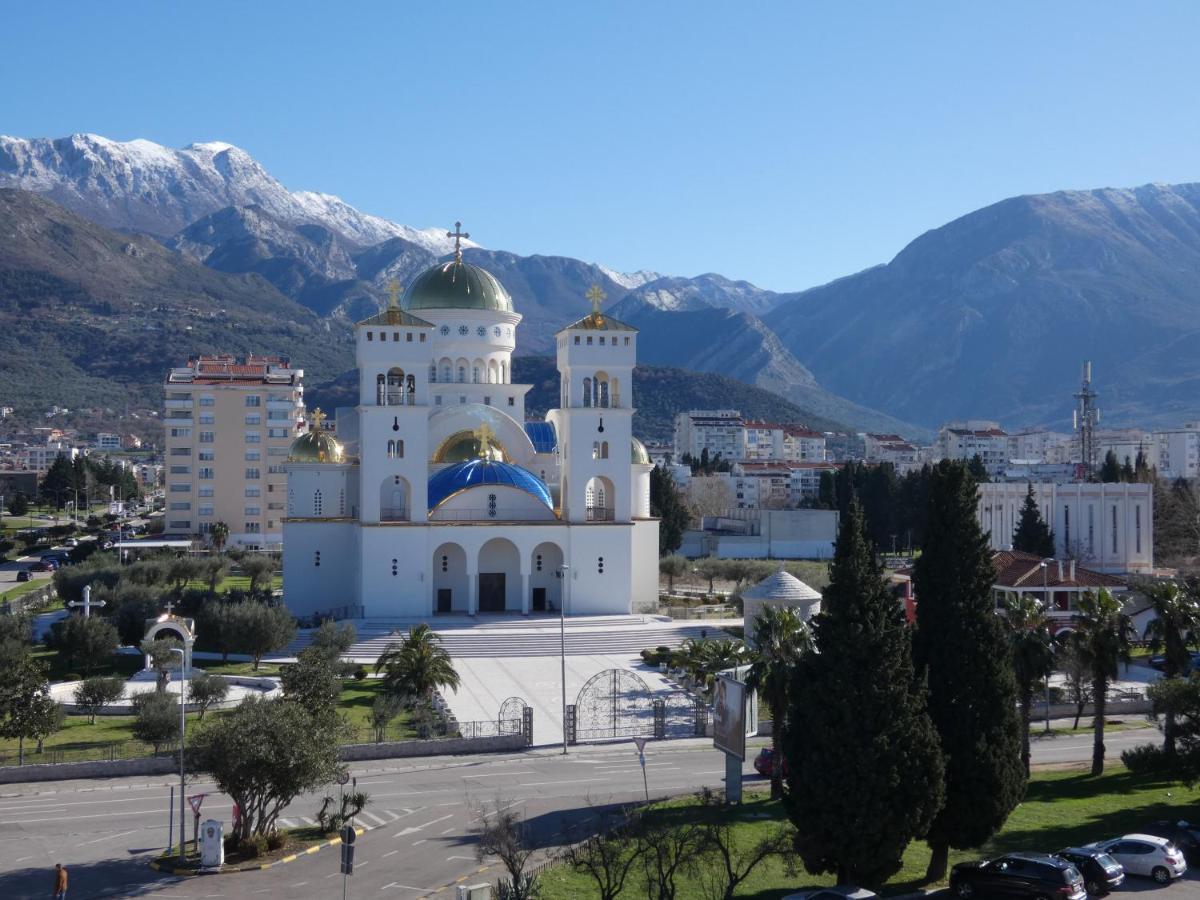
[568,781]
[413,829]
[421,841]
[390,853]
[500,774]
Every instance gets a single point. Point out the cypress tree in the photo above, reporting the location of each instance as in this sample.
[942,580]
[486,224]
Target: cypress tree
[863,759]
[1032,534]
[961,648]
[1110,470]
[666,504]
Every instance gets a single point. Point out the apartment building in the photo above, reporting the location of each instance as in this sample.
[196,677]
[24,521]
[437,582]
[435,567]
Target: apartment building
[715,430]
[965,440]
[769,441]
[228,425]
[39,458]
[1178,451]
[891,448]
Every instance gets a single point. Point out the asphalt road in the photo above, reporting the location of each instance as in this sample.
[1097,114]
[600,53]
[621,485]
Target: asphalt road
[420,820]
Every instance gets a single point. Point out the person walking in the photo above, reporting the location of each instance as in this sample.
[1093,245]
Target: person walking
[60,882]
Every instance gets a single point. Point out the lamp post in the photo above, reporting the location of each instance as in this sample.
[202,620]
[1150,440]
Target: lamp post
[183,674]
[563,572]
[1046,600]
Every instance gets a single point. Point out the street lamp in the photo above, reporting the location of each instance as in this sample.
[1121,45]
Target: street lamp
[183,674]
[563,571]
[1046,600]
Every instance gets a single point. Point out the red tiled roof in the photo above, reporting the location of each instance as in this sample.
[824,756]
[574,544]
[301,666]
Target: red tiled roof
[1015,569]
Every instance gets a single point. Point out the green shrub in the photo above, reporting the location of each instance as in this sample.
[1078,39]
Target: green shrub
[360,673]
[1147,759]
[274,840]
[255,847]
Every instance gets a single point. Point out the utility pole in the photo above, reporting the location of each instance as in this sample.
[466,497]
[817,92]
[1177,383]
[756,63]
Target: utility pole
[564,572]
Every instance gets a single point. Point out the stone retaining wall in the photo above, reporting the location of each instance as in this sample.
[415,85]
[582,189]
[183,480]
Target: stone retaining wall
[166,765]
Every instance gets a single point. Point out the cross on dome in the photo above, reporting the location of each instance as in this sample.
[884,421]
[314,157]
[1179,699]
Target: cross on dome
[318,418]
[170,604]
[597,296]
[484,435]
[458,234]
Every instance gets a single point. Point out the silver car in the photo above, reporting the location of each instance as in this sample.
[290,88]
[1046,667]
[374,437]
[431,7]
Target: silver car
[1145,854]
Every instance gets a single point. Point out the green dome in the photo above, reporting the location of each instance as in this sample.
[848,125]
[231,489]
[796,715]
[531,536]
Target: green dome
[456,285]
[316,446]
[638,454]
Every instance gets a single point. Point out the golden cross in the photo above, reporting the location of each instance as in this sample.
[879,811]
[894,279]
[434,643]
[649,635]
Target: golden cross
[597,297]
[393,293]
[458,234]
[484,435]
[318,418]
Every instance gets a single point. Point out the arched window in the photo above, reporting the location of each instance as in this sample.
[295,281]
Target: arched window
[412,388]
[400,449]
[604,450]
[380,390]
[462,374]
[395,387]
[595,449]
[433,373]
[447,371]
[503,372]
[475,374]
[316,503]
[616,393]
[601,392]
[391,449]
[587,392]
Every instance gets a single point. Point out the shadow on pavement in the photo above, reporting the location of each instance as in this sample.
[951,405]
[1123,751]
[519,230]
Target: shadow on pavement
[102,878]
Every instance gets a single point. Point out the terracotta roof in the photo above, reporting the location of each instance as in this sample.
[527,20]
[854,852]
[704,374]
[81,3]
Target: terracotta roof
[1015,569]
[393,315]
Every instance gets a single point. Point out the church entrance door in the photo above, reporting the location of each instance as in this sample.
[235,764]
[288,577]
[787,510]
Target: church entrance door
[443,600]
[491,592]
[539,599]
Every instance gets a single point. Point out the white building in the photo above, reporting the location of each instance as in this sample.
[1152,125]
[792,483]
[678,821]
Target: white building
[764,441]
[108,441]
[965,440]
[1125,444]
[1107,527]
[1040,446]
[444,499]
[40,458]
[891,448]
[1178,452]
[715,430]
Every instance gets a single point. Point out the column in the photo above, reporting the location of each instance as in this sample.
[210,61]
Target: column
[472,589]
[525,599]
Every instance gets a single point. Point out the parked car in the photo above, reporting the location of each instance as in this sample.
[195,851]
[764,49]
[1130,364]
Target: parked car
[1101,873]
[1183,835]
[43,565]
[23,575]
[841,892]
[764,760]
[1145,854]
[71,542]
[1034,875]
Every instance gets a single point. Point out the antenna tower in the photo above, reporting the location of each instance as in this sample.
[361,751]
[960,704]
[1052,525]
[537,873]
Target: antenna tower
[1086,418]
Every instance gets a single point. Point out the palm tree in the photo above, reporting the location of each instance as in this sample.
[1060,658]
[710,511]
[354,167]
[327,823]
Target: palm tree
[1174,627]
[1102,633]
[1032,654]
[781,637]
[218,534]
[417,667]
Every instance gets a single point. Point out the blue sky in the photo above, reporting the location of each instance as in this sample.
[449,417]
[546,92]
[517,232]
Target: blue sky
[783,143]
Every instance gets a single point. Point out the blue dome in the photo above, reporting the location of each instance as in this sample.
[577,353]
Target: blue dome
[451,480]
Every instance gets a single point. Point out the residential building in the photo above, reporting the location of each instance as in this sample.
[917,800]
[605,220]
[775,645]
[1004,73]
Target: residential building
[975,437]
[891,448]
[39,458]
[108,441]
[1178,451]
[802,445]
[1107,527]
[715,430]
[1040,446]
[228,425]
[1126,444]
[1058,584]
[764,534]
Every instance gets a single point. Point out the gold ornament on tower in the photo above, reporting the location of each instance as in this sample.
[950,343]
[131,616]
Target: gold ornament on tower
[317,445]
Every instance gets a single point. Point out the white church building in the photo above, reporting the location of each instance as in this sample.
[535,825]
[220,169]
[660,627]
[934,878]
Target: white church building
[438,497]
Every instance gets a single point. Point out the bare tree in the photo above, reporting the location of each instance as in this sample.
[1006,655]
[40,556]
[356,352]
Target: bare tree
[502,833]
[729,862]
[667,851]
[709,495]
[1076,677]
[608,855]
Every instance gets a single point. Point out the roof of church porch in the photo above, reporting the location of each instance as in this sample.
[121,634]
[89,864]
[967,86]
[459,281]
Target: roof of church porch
[596,320]
[392,314]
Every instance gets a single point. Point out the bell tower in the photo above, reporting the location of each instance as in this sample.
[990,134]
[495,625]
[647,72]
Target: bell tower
[596,358]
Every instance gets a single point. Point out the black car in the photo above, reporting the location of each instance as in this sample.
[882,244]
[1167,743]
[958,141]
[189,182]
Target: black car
[1035,875]
[1184,835]
[1101,873]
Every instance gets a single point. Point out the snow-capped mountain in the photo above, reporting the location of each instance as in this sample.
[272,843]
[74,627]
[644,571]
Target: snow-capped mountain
[142,186]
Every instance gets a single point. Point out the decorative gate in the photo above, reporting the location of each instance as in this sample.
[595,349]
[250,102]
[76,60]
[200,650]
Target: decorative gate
[615,703]
[512,716]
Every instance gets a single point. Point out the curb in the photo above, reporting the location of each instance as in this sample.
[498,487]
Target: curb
[291,857]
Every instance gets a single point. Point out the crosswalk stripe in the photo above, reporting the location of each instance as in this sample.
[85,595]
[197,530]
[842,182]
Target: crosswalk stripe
[374,818]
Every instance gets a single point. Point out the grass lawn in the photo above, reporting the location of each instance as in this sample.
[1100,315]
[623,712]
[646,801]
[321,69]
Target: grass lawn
[124,664]
[1061,808]
[233,582]
[27,587]
[357,697]
[216,667]
[295,841]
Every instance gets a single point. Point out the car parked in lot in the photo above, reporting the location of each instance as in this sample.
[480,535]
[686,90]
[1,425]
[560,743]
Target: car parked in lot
[1035,875]
[765,759]
[1101,873]
[1182,834]
[841,892]
[1145,854]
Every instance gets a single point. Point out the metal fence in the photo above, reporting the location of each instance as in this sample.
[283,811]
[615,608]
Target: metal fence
[91,753]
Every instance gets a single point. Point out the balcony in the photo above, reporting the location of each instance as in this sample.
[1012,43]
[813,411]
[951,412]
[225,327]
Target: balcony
[600,514]
[179,404]
[395,398]
[393,514]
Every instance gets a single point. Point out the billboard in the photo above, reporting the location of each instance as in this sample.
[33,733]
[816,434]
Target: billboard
[729,716]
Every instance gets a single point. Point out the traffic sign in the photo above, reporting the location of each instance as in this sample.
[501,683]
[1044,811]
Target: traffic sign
[343,778]
[641,744]
[194,802]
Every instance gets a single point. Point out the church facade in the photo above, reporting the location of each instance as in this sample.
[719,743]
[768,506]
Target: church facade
[438,497]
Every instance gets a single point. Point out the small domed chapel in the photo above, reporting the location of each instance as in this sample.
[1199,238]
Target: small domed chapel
[438,497]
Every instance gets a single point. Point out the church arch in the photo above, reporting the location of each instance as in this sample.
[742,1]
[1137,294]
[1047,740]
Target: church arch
[449,568]
[504,375]
[433,372]
[616,392]
[587,392]
[600,499]
[493,372]
[477,372]
[460,366]
[394,497]
[395,386]
[600,389]
[545,585]
[499,569]
[447,367]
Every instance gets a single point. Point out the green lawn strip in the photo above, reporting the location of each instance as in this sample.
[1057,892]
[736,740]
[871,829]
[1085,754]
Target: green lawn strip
[216,667]
[356,700]
[232,582]
[125,664]
[1060,809]
[1085,728]
[28,587]
[296,841]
